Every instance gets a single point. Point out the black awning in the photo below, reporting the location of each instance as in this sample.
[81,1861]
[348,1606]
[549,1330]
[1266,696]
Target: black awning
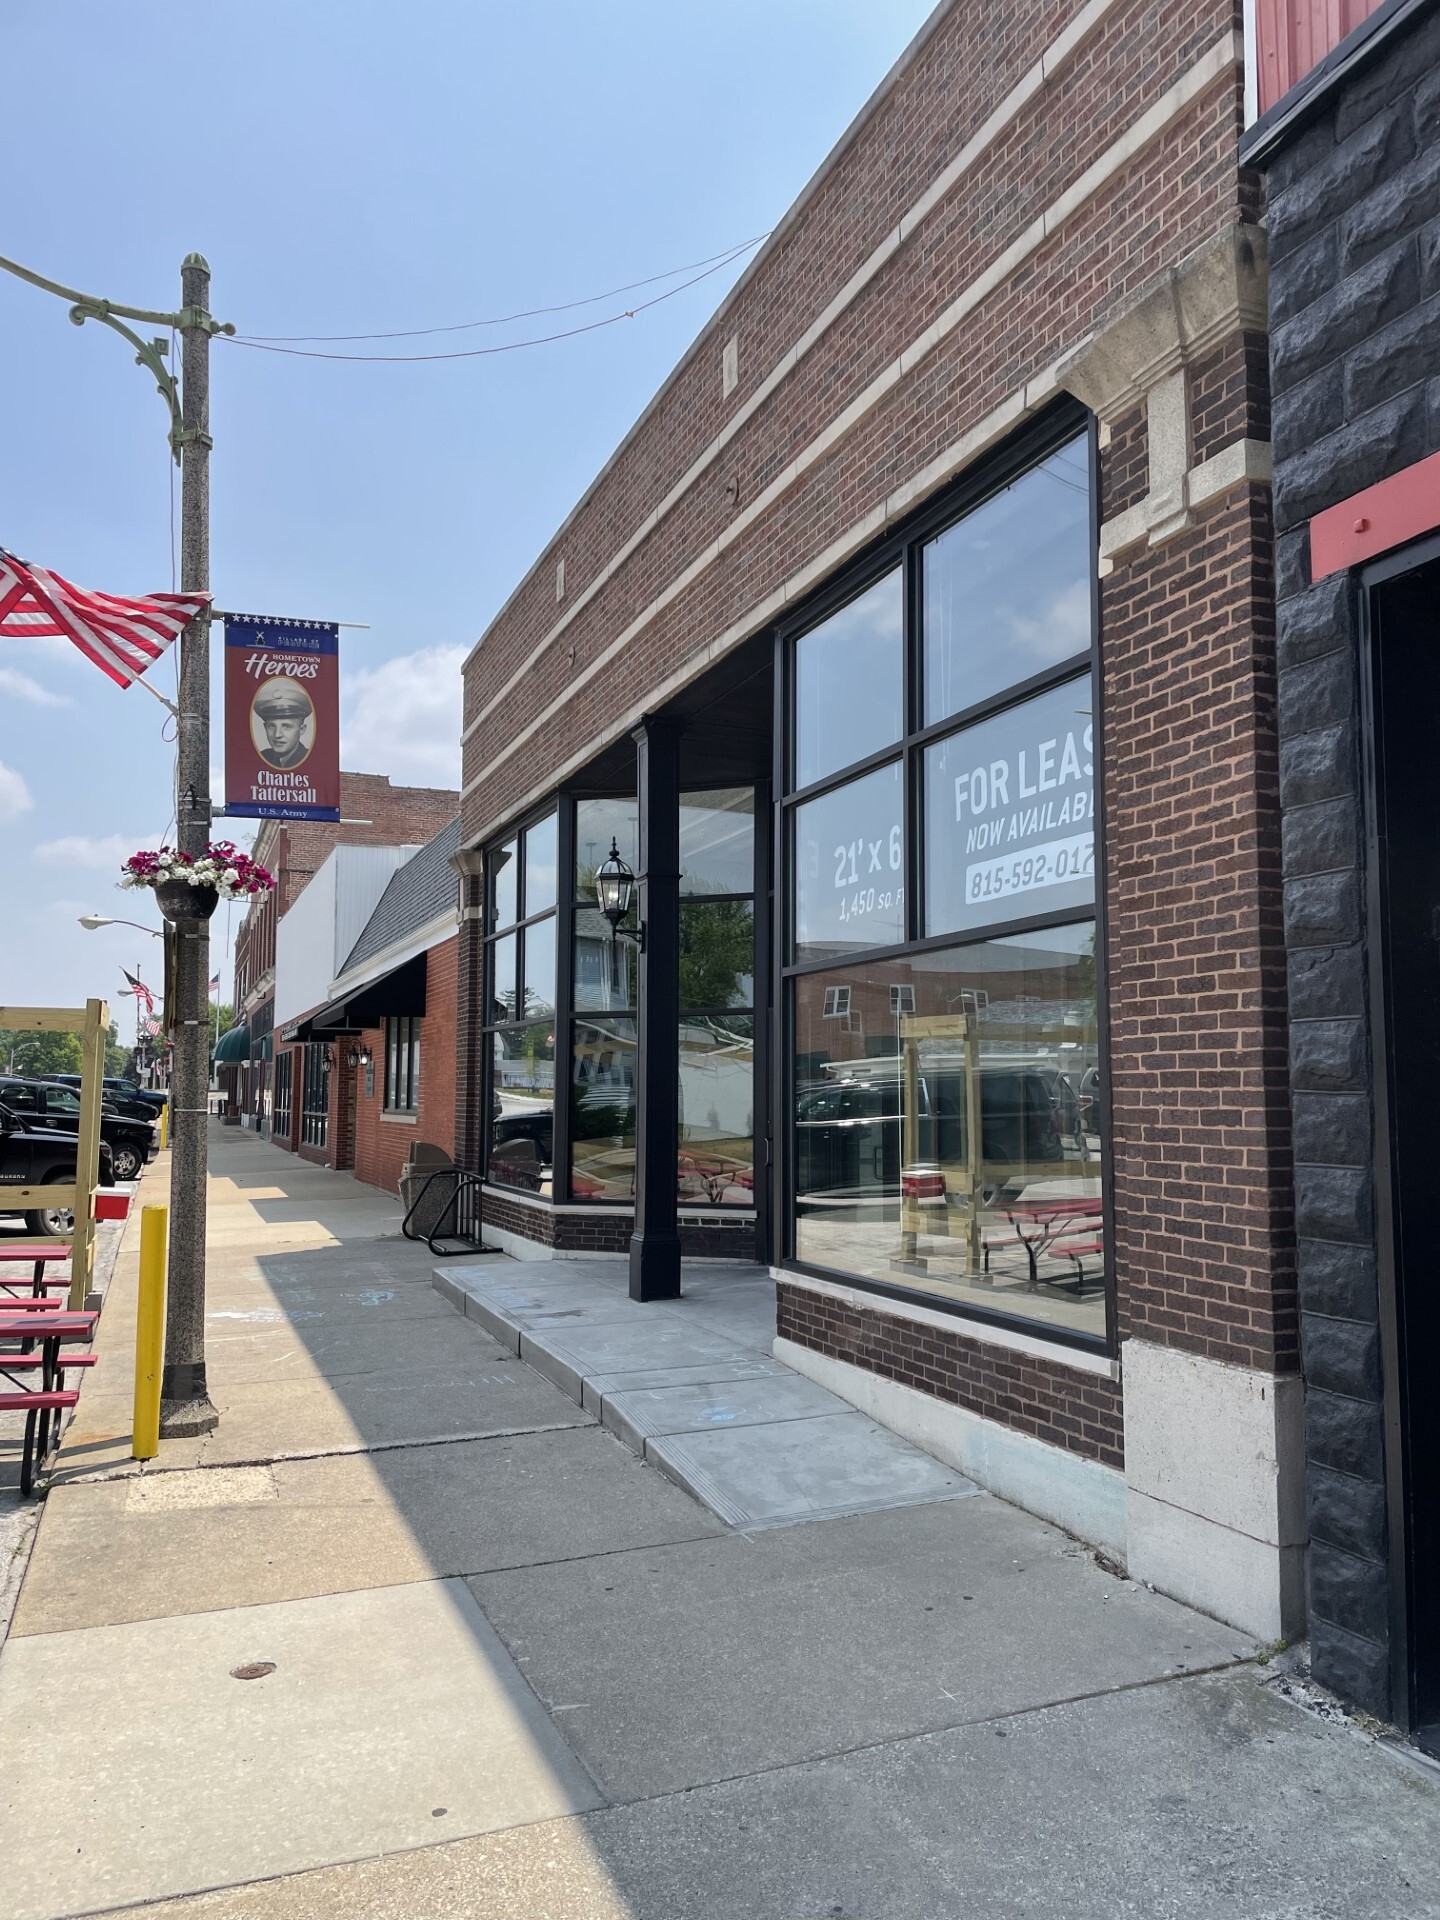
[395,994]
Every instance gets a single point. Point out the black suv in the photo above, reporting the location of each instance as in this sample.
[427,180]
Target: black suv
[56,1109]
[30,1158]
[136,1103]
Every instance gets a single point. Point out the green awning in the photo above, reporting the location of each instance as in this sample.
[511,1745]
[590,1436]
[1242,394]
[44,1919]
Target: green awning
[233,1046]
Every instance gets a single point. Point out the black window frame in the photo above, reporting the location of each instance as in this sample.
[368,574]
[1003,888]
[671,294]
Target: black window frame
[1059,426]
[402,1064]
[315,1113]
[558,917]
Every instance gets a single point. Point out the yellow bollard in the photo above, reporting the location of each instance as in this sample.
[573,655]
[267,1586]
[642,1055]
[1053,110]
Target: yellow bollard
[164,1126]
[150,1331]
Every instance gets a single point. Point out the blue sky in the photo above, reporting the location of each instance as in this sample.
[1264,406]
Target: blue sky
[355,167]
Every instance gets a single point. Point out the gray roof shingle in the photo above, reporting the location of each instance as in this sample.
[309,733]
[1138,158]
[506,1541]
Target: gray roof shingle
[416,894]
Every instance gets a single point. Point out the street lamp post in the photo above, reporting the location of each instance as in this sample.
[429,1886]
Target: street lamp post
[185,1406]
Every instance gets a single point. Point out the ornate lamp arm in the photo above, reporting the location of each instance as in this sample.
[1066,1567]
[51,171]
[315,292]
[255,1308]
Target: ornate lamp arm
[148,353]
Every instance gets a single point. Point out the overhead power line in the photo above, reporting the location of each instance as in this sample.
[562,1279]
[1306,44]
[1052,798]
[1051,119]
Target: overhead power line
[504,319]
[277,343]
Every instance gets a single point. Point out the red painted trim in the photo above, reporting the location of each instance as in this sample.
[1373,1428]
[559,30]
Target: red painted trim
[1370,523]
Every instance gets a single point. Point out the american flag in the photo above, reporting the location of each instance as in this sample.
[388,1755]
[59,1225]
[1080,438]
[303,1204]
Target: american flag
[141,992]
[214,982]
[120,636]
[152,1026]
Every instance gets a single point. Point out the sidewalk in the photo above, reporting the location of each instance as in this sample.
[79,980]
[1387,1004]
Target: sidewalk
[511,1671]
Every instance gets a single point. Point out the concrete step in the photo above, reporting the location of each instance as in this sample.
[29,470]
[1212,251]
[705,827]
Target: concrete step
[692,1386]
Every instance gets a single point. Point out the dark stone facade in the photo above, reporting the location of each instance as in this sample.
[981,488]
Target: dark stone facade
[1354,223]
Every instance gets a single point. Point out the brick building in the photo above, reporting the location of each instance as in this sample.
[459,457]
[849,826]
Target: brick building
[380,1053]
[373,814]
[904,687]
[1349,141]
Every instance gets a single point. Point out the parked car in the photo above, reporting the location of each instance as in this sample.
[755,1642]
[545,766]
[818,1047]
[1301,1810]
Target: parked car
[44,1104]
[848,1132]
[136,1103]
[30,1157]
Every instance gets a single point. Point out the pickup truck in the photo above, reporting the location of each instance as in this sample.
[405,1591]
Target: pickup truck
[51,1108]
[37,1159]
[136,1103]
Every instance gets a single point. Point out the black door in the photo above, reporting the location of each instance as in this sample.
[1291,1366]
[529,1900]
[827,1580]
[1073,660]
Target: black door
[1404,626]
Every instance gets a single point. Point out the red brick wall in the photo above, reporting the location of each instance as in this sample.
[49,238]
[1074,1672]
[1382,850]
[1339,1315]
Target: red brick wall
[1204,1247]
[383,1142]
[1080,1412]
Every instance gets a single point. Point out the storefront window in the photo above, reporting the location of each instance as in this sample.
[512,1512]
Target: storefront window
[402,1064]
[946,1125]
[521,993]
[717,842]
[540,969]
[717,1111]
[1007,588]
[947,1129]
[541,865]
[522,1152]
[606,967]
[850,683]
[597,824]
[1010,814]
[717,953]
[849,866]
[602,1111]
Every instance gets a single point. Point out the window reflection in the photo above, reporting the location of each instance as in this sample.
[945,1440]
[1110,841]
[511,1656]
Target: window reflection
[717,1112]
[717,953]
[1007,589]
[602,1110]
[522,1128]
[541,855]
[597,823]
[507,877]
[503,979]
[606,968]
[717,841]
[947,1125]
[849,683]
[850,867]
[540,969]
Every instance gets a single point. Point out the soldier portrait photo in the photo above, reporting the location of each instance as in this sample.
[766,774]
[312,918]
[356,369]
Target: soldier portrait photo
[282,723]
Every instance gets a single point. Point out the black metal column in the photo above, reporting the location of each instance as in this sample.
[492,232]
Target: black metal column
[655,1244]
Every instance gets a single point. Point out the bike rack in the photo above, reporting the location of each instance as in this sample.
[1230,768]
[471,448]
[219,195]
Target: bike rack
[467,1187]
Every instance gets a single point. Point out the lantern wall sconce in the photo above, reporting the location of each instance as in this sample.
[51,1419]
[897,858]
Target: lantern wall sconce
[359,1057]
[615,892]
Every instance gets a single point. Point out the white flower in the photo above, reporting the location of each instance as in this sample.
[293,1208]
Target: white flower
[230,876]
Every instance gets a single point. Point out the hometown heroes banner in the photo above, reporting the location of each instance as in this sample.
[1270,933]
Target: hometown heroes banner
[282,718]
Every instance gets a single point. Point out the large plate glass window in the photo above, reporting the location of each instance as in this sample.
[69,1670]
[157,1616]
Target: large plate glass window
[1007,587]
[947,1084]
[850,683]
[520,994]
[716,1155]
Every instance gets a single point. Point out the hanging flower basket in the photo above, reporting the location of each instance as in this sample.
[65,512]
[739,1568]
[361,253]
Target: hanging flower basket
[190,887]
[178,900]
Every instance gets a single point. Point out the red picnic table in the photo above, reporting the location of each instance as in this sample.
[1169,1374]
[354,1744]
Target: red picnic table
[1056,1229]
[39,1253]
[48,1325]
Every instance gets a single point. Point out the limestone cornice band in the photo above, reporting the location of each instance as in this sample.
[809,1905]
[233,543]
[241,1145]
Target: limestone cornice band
[1143,357]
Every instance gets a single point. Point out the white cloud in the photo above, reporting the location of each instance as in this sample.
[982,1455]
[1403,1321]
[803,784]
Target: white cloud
[403,718]
[19,686]
[83,850]
[1060,628]
[14,794]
